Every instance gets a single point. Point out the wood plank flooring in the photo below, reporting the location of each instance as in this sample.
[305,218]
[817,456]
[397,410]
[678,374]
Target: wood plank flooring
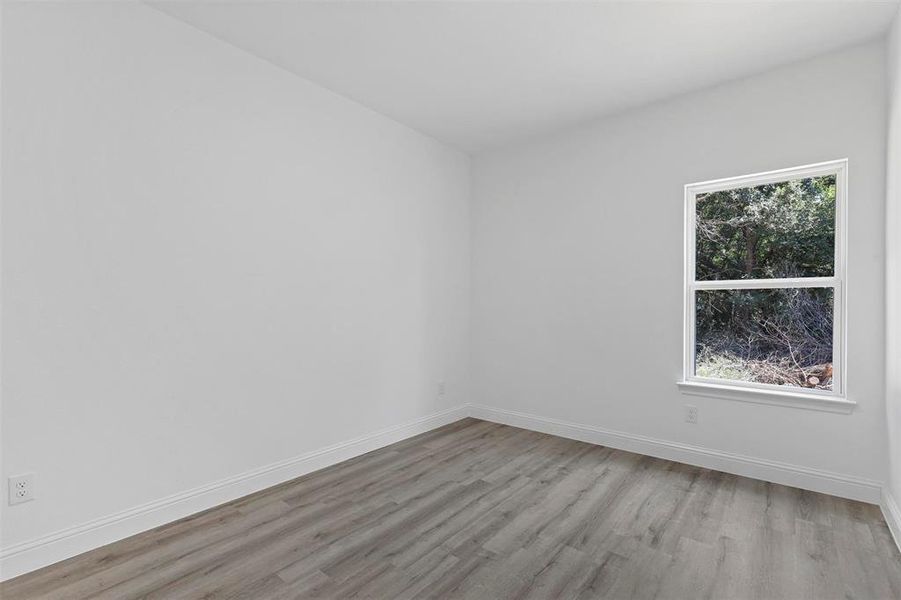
[480,510]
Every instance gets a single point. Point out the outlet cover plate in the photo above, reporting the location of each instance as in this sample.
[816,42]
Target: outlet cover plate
[21,488]
[691,414]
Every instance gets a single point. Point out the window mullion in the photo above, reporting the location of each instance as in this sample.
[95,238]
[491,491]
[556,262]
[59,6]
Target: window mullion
[753,284]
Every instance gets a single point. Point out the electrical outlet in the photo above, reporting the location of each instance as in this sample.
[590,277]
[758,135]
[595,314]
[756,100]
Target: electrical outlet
[691,414]
[21,488]
[441,389]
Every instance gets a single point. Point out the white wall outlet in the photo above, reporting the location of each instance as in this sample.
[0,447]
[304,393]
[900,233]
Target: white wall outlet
[441,389]
[691,414]
[21,488]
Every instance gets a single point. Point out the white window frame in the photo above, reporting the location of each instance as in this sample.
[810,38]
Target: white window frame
[834,400]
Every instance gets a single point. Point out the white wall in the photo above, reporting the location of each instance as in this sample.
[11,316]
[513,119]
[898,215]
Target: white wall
[577,279]
[893,269]
[209,265]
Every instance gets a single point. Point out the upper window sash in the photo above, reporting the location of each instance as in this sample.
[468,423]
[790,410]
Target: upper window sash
[716,240]
[838,168]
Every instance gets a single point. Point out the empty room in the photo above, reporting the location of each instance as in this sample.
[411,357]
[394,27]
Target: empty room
[474,299]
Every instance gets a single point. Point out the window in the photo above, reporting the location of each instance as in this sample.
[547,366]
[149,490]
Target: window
[764,287]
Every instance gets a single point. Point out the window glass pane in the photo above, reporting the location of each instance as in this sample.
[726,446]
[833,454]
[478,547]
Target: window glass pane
[774,336]
[784,229]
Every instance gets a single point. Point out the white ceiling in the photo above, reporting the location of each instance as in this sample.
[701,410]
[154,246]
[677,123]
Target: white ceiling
[481,74]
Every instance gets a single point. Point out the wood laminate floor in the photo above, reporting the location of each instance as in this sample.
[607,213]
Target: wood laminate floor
[480,510]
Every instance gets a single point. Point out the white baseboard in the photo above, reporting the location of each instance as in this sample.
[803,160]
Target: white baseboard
[34,554]
[836,484]
[892,513]
[46,550]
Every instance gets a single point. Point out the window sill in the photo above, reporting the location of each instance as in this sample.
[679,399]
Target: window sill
[776,397]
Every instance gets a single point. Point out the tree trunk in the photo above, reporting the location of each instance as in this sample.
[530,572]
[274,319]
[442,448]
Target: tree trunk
[751,237]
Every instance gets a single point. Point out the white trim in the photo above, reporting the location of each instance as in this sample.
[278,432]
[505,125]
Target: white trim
[34,554]
[762,284]
[892,514]
[836,484]
[830,400]
[744,393]
[730,183]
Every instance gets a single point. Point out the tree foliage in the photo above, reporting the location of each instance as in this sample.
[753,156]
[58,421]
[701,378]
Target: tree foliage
[781,336]
[784,229]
